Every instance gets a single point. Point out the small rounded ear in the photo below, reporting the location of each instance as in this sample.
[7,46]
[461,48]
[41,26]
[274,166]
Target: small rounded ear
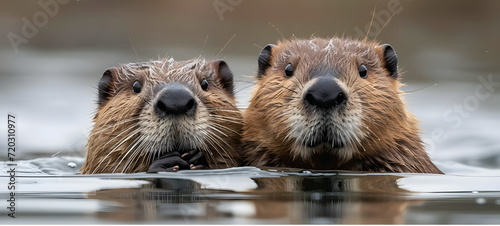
[105,86]
[265,59]
[390,59]
[224,76]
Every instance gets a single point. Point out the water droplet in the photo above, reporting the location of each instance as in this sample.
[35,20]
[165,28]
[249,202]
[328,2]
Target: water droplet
[481,201]
[497,202]
[475,192]
[72,164]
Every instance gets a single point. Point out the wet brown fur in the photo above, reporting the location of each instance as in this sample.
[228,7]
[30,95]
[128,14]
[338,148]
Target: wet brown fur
[118,143]
[391,141]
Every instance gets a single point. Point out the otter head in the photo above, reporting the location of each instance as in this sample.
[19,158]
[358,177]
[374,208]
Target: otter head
[148,109]
[322,102]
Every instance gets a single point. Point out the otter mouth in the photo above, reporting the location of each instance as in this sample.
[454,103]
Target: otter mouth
[324,139]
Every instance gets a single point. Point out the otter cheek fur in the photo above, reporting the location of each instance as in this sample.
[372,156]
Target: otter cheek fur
[332,104]
[150,110]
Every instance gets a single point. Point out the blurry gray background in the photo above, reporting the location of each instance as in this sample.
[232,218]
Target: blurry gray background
[52,54]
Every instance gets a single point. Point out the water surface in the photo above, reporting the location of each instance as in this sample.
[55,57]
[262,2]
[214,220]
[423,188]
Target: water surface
[50,84]
[50,190]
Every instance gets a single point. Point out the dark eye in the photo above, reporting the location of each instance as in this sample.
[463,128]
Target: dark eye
[363,71]
[204,84]
[137,87]
[289,70]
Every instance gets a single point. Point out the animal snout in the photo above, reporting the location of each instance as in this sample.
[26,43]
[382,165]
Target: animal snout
[325,93]
[175,99]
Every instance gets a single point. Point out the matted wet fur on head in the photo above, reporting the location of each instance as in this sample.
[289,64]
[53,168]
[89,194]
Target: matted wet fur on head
[152,108]
[332,104]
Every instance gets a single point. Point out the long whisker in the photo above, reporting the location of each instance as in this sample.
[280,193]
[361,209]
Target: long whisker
[212,139]
[135,154]
[114,125]
[210,131]
[204,43]
[222,119]
[121,143]
[220,126]
[222,109]
[282,36]
[224,46]
[134,127]
[124,156]
[113,150]
[371,22]
[416,90]
[387,22]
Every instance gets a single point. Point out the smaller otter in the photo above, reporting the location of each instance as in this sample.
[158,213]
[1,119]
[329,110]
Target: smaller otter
[332,104]
[165,115]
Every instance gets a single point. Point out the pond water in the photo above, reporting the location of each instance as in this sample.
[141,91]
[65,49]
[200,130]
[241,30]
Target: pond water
[448,49]
[49,190]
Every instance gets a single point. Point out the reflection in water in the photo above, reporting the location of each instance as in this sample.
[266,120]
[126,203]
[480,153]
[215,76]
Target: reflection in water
[290,199]
[158,199]
[248,195]
[334,199]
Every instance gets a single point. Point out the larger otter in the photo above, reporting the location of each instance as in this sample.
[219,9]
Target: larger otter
[332,104]
[165,115]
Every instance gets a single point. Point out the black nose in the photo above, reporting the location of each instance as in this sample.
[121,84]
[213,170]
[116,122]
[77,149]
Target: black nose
[325,93]
[175,100]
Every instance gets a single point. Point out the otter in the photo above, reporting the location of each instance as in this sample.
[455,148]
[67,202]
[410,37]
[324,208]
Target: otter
[332,104]
[165,115]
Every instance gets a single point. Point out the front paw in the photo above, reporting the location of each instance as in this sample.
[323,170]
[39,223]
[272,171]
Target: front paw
[195,159]
[171,161]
